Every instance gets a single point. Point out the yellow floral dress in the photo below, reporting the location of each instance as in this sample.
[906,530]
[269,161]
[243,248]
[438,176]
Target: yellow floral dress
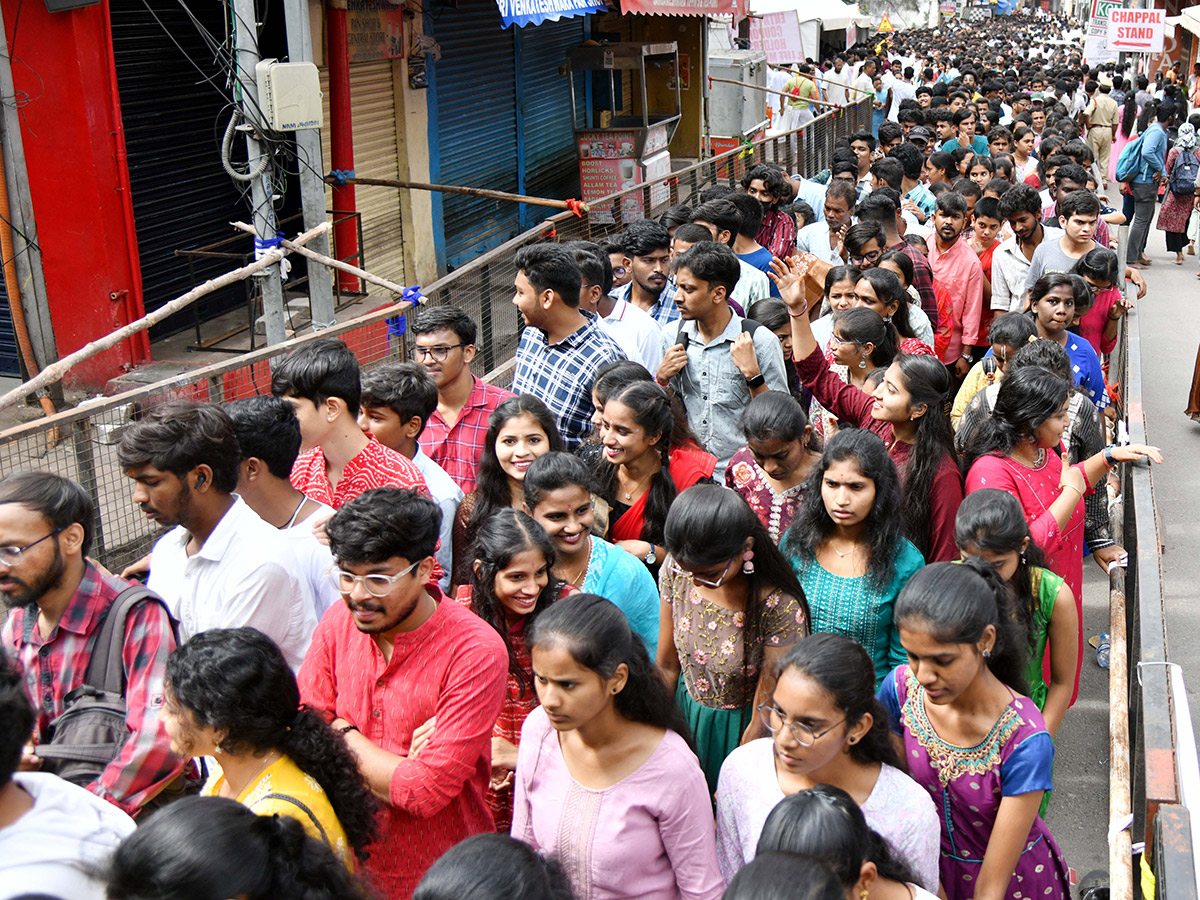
[283,789]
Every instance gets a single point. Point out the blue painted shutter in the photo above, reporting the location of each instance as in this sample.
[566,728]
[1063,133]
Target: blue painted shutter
[9,360]
[551,160]
[477,127]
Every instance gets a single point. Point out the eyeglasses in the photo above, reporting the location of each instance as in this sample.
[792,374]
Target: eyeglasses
[438,354]
[703,582]
[835,343]
[11,556]
[773,719]
[376,584]
[618,271]
[858,260]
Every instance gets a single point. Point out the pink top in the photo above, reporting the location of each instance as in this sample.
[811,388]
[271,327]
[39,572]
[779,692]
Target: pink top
[1091,326]
[959,270]
[651,835]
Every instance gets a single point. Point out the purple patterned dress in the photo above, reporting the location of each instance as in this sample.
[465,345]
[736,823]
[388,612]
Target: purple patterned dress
[967,785]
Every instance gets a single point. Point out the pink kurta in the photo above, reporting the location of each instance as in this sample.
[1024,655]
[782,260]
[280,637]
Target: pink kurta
[1037,489]
[651,835]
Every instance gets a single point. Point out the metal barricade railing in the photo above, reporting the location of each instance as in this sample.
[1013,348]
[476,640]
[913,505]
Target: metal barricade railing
[80,443]
[1146,754]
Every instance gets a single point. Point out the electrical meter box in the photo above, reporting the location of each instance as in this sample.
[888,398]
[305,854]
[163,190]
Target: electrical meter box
[289,94]
[737,110]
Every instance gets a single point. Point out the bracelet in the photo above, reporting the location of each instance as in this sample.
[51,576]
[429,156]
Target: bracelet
[1109,459]
[346,728]
[1072,487]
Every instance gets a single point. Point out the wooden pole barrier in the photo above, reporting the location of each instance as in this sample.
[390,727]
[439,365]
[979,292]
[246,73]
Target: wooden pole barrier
[848,87]
[773,91]
[330,262]
[56,371]
[572,205]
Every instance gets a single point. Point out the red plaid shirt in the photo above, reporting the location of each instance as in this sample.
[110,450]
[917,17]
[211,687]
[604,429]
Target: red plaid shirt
[55,666]
[375,466]
[458,447]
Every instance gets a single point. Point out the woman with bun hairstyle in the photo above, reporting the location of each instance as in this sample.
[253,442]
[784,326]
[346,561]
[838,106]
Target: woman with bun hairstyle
[230,695]
[826,823]
[970,737]
[607,782]
[493,867]
[512,581]
[826,728]
[214,848]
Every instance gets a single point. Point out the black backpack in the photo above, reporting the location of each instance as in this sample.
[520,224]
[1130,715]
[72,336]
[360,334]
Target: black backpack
[91,730]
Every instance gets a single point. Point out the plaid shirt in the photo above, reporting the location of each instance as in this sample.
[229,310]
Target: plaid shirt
[55,666]
[664,310]
[375,466]
[561,375]
[922,280]
[457,448]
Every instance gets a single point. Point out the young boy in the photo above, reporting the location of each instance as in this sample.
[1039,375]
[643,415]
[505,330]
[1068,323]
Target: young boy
[984,241]
[397,400]
[1078,212]
[337,461]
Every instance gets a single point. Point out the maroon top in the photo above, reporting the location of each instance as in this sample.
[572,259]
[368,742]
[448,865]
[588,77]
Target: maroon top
[853,405]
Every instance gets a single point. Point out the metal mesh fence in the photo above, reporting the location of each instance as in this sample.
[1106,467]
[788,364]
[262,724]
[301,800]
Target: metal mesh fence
[81,443]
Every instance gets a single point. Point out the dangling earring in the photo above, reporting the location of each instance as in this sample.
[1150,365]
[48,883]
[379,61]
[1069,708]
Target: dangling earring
[217,748]
[748,562]
[862,361]
[862,895]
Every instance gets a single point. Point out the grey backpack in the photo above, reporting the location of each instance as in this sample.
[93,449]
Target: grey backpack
[91,730]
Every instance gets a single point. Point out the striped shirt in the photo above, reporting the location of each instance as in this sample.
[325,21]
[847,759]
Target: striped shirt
[453,666]
[54,666]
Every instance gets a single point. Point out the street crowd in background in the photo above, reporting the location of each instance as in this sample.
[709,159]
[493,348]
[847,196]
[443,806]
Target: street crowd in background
[764,580]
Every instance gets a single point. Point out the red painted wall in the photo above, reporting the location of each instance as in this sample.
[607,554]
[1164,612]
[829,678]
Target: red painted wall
[69,132]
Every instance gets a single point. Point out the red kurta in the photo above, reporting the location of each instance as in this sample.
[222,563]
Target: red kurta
[453,666]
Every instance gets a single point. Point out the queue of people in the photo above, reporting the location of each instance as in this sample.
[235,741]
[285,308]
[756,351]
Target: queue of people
[764,580]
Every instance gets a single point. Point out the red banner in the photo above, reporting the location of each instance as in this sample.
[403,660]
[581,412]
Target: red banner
[684,7]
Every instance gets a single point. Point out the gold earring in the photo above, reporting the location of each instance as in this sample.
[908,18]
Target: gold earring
[862,895]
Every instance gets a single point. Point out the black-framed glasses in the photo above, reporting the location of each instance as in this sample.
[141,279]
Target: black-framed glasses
[858,259]
[11,556]
[773,719]
[376,584]
[439,353]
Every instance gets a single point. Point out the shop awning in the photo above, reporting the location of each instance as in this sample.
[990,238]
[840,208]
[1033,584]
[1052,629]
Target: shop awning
[535,12]
[1189,18]
[736,8]
[832,14]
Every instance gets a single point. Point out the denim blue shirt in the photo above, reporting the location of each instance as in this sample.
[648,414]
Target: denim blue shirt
[1154,153]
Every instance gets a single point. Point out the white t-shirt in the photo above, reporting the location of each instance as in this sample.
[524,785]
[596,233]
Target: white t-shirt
[315,560]
[244,574]
[45,850]
[901,90]
[836,84]
[636,332]
[447,495]
[753,284]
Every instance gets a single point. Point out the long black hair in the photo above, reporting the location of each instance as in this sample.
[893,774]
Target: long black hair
[491,487]
[493,867]
[862,324]
[505,535]
[785,876]
[1129,113]
[842,669]
[597,635]
[955,603]
[650,407]
[813,524]
[826,823]
[928,385]
[1028,396]
[889,289]
[993,520]
[710,524]
[774,415]
[237,680]
[213,848]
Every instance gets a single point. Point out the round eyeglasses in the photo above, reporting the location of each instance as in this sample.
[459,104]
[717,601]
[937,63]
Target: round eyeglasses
[805,736]
[437,354]
[376,584]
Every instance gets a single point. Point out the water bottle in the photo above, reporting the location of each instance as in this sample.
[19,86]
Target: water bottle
[1102,650]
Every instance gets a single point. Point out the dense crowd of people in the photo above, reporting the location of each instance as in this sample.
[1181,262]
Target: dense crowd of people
[764,580]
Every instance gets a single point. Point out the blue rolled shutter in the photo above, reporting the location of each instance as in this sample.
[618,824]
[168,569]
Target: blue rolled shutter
[9,360]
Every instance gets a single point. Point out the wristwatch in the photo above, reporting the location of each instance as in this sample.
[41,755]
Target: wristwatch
[756,382]
[651,558]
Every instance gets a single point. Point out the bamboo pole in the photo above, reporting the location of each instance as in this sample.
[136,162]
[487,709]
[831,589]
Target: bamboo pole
[469,191]
[56,371]
[848,87]
[773,91]
[331,262]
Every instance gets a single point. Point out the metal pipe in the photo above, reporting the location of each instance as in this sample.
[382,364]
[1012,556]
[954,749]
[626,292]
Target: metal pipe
[341,135]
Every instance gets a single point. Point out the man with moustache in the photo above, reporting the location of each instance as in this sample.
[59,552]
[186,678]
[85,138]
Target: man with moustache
[647,248]
[957,268]
[221,566]
[57,601]
[414,682]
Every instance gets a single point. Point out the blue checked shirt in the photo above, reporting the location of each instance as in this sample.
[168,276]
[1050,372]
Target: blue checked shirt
[561,375]
[664,310]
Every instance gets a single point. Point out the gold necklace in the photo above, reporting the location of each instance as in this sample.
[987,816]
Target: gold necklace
[628,495]
[581,576]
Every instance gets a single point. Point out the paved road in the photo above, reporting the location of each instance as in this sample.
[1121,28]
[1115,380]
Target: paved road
[1170,327]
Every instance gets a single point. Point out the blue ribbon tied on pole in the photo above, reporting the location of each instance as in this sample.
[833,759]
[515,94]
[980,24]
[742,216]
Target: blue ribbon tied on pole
[398,325]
